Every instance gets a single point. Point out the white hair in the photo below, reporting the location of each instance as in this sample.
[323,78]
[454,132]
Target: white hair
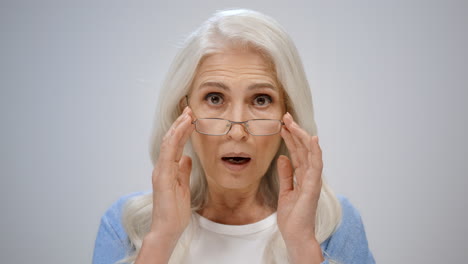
[231,28]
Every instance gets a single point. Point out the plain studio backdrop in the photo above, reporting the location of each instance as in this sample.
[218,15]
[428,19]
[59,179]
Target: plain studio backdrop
[79,85]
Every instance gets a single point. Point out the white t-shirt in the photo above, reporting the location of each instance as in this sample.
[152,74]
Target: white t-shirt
[230,244]
[225,244]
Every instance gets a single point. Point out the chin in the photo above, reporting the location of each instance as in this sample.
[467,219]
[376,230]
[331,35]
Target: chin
[235,179]
[234,184]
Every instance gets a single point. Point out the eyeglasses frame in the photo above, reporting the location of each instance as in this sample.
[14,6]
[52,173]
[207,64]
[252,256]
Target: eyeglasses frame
[233,122]
[237,122]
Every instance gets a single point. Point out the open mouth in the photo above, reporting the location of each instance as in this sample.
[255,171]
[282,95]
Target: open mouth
[236,160]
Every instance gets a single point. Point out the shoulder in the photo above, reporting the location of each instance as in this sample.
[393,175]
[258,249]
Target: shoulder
[349,241]
[351,221]
[111,240]
[351,216]
[112,217]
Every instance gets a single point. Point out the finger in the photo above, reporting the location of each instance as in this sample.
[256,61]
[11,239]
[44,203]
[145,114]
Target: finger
[170,132]
[312,185]
[301,150]
[312,181]
[187,129]
[175,139]
[168,166]
[315,156]
[307,149]
[179,119]
[301,137]
[185,167]
[291,145]
[159,180]
[285,175]
[180,137]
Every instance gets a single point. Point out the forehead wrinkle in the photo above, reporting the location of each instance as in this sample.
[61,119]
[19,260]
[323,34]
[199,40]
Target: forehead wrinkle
[255,86]
[210,65]
[235,72]
[216,73]
[263,79]
[234,66]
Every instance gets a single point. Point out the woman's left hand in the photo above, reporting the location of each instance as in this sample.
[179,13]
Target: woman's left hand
[298,200]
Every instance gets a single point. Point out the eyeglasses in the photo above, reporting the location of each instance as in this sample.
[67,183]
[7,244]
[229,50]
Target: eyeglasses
[219,126]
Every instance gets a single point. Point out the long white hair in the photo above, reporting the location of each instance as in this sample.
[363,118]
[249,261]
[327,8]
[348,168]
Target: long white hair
[238,28]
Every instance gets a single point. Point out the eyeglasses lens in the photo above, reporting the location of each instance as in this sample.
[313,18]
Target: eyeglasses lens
[221,126]
[212,126]
[264,127]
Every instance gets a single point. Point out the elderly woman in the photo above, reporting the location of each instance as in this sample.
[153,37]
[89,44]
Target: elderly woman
[237,164]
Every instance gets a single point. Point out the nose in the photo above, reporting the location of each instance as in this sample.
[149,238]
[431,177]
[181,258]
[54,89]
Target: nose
[238,132]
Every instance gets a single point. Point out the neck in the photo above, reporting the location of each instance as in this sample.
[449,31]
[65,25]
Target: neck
[235,207]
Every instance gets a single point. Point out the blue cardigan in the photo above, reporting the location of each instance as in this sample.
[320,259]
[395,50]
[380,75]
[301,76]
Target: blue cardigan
[348,245]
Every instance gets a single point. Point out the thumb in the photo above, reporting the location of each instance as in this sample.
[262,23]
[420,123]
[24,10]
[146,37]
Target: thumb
[185,167]
[285,174]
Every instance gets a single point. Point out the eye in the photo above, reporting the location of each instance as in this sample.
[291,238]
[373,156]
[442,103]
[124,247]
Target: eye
[262,100]
[214,98]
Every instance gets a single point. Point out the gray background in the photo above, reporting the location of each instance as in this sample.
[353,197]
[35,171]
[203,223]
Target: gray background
[79,83]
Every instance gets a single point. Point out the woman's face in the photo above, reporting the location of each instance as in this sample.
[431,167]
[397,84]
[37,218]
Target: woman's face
[236,85]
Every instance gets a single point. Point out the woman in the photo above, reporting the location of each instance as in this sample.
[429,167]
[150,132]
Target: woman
[237,166]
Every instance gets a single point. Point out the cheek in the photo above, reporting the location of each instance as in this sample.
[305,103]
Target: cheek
[203,146]
[267,148]
[197,143]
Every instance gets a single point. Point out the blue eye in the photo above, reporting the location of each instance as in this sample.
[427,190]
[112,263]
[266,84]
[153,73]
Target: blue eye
[214,98]
[262,100]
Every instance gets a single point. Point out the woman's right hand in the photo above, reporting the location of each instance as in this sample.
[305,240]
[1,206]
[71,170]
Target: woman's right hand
[171,194]
[171,181]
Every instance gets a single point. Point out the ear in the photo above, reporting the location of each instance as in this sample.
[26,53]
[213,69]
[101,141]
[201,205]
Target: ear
[183,102]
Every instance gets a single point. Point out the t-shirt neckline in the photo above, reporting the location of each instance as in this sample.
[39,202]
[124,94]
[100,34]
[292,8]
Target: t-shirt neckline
[237,230]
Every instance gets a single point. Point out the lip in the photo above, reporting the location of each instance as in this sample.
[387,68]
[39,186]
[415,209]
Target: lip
[236,167]
[236,154]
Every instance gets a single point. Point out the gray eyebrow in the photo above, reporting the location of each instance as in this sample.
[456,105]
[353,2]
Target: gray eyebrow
[262,85]
[251,87]
[215,84]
